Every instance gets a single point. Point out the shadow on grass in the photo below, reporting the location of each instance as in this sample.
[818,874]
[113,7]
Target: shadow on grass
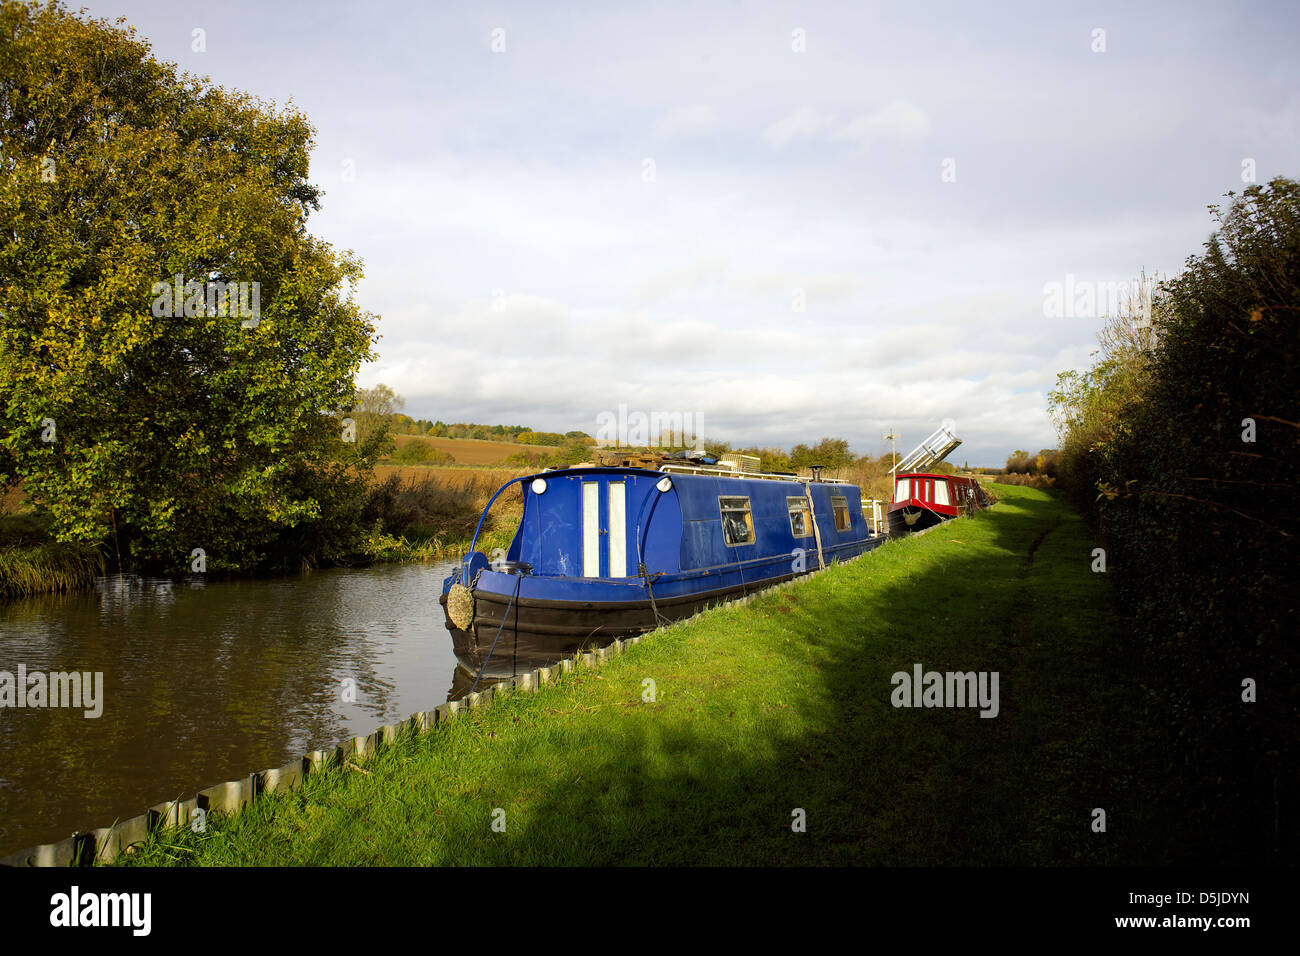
[878,784]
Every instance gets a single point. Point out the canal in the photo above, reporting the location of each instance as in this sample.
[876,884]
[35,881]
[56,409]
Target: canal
[208,681]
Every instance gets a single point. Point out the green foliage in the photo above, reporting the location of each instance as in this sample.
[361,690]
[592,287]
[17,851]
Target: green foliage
[502,433]
[831,452]
[193,428]
[540,438]
[573,451]
[528,459]
[422,453]
[1200,522]
[772,460]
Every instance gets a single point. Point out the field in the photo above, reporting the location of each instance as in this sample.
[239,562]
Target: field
[472,451]
[480,482]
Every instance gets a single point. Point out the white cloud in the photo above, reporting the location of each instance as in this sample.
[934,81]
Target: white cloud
[803,124]
[898,122]
[687,122]
[522,173]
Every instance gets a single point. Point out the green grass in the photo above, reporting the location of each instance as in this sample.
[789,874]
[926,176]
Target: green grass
[30,562]
[761,709]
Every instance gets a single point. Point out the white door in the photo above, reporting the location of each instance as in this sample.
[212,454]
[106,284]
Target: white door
[617,529]
[591,529]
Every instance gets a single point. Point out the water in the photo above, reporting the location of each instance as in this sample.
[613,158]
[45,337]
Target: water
[208,681]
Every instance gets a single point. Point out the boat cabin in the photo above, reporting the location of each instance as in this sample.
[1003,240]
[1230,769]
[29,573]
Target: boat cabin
[923,499]
[605,522]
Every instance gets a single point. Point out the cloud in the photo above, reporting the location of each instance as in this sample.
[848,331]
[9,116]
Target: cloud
[687,122]
[898,122]
[777,171]
[803,124]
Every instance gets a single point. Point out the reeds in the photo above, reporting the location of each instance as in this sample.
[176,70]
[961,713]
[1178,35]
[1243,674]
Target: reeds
[51,566]
[429,513]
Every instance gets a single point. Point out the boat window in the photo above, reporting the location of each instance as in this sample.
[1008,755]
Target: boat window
[737,522]
[904,489]
[840,505]
[800,517]
[941,493]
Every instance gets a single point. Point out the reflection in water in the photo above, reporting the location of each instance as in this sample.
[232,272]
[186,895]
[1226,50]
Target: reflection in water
[208,681]
[490,656]
[479,671]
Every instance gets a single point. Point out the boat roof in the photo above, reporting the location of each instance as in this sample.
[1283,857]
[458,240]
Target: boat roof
[593,470]
[683,472]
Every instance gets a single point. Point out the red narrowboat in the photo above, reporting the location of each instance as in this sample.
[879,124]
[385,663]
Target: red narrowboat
[922,500]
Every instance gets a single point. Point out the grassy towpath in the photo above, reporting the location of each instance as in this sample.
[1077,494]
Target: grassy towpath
[764,709]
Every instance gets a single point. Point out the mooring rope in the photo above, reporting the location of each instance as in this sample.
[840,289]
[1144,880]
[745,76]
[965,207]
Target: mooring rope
[518,581]
[817,533]
[660,620]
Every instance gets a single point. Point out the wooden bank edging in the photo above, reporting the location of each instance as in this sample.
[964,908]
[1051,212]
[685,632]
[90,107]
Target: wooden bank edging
[105,844]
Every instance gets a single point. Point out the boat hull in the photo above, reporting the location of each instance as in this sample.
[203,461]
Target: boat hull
[537,632]
[531,632]
[921,518]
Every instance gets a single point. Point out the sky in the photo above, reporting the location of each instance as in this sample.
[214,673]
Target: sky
[786,221]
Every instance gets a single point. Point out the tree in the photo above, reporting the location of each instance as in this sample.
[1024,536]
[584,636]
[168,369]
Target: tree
[375,411]
[172,340]
[831,452]
[420,452]
[773,460]
[1182,445]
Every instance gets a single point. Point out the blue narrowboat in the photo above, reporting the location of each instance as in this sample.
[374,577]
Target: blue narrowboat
[603,553]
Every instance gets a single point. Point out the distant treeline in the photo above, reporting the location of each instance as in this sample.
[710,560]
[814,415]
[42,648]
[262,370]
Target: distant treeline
[1182,445]
[1037,471]
[516,434]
